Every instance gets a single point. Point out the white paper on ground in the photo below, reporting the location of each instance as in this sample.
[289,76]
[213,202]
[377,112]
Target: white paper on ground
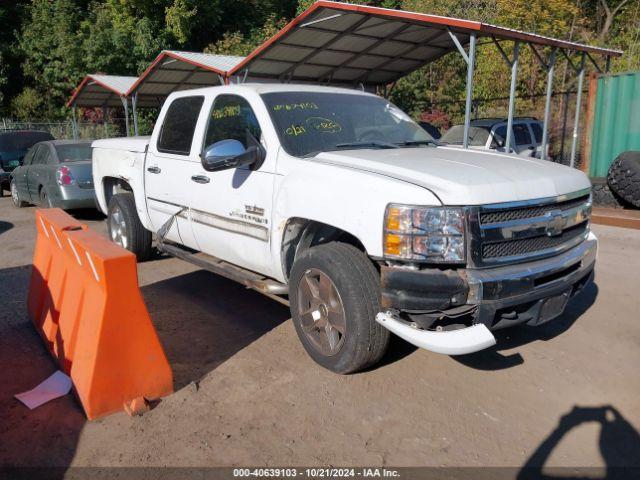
[55,386]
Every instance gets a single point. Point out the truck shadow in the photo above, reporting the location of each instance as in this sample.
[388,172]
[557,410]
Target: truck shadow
[203,319]
[619,445]
[493,359]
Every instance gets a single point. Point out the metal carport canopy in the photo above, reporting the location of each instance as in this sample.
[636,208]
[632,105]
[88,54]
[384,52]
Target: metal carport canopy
[101,90]
[345,43]
[173,70]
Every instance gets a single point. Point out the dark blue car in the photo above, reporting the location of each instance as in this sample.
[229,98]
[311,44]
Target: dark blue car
[13,147]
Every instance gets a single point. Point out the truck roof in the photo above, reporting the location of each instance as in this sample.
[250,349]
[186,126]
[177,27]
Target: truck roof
[272,87]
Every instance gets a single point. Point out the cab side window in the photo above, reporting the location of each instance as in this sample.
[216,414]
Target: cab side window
[499,137]
[521,134]
[179,125]
[41,156]
[537,132]
[232,117]
[28,158]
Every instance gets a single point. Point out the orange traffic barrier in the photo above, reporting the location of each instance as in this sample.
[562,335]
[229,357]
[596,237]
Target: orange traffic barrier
[85,302]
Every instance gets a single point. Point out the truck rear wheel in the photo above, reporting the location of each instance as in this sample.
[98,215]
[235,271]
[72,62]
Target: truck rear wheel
[334,292]
[125,227]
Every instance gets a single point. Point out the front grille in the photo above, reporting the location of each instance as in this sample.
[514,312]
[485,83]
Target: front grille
[511,248]
[507,215]
[502,234]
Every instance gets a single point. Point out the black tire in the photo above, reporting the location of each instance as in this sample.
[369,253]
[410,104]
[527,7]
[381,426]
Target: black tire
[45,200]
[602,194]
[15,196]
[357,283]
[138,238]
[624,177]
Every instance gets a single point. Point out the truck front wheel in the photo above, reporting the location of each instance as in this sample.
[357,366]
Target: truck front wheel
[125,227]
[334,293]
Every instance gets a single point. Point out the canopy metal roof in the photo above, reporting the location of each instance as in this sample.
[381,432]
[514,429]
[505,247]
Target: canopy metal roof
[346,43]
[101,90]
[172,71]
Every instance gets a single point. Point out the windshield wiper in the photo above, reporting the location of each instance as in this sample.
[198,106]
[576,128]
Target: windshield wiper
[411,143]
[368,144]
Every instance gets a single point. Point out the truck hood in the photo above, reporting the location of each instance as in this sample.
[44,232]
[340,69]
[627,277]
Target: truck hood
[459,177]
[132,144]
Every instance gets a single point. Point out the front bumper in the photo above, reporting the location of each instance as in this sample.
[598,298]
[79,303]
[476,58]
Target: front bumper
[494,298]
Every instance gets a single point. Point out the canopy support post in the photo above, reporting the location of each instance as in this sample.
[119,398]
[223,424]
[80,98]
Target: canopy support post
[576,123]
[74,122]
[105,113]
[467,107]
[125,104]
[470,59]
[512,96]
[134,103]
[547,105]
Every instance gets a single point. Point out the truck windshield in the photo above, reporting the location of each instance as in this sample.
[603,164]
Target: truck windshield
[310,122]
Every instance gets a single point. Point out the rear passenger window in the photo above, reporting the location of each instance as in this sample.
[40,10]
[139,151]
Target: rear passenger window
[28,158]
[41,156]
[179,125]
[537,132]
[521,134]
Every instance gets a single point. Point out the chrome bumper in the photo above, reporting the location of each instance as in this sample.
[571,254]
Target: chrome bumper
[506,296]
[497,289]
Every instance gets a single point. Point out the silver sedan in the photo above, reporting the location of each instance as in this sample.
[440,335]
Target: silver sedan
[55,173]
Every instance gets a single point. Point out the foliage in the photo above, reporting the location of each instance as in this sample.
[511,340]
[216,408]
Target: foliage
[27,104]
[237,43]
[47,46]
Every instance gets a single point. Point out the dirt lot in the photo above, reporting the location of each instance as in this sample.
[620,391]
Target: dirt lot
[565,394]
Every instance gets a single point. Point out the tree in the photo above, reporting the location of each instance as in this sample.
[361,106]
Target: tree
[51,45]
[235,43]
[11,15]
[26,105]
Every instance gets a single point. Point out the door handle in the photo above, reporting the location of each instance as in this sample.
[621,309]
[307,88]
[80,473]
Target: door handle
[154,169]
[200,179]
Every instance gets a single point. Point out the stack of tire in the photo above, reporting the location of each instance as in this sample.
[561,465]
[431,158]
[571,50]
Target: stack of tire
[624,178]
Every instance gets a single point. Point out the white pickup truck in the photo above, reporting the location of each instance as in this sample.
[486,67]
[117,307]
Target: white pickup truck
[335,202]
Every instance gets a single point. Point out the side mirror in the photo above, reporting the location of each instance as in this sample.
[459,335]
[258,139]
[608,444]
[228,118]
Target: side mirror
[229,153]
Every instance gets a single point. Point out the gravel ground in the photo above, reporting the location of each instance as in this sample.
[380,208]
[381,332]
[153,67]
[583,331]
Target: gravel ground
[564,394]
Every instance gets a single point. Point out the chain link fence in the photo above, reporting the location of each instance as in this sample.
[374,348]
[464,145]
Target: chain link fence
[563,108]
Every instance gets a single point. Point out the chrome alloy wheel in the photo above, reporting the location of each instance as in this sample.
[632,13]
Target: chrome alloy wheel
[321,312]
[118,227]
[14,193]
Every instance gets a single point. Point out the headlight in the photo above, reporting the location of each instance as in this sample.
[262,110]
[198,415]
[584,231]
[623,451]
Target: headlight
[433,234]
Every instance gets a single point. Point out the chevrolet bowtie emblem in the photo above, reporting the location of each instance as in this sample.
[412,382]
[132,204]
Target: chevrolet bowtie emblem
[556,223]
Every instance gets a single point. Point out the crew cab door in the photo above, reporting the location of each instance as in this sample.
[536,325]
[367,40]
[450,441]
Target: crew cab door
[36,171]
[231,209]
[524,144]
[171,157]
[521,142]
[21,172]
